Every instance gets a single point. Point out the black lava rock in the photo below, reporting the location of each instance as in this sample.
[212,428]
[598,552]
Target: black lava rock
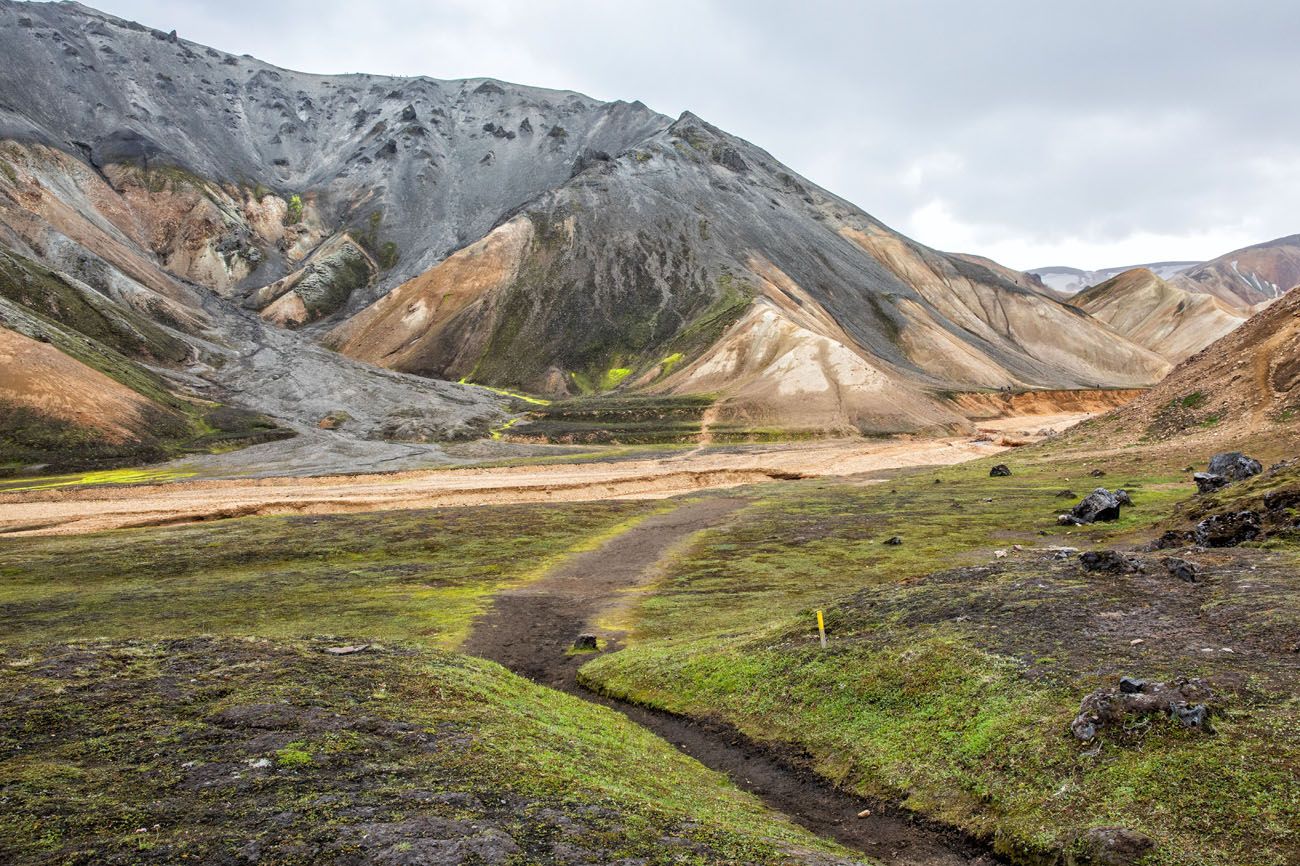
[894,540]
[1208,482]
[585,642]
[1100,504]
[1181,568]
[1000,471]
[1234,466]
[1109,562]
[1228,529]
[1131,686]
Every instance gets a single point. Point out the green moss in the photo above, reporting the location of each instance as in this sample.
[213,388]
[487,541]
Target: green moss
[293,213]
[187,749]
[614,377]
[954,691]
[418,575]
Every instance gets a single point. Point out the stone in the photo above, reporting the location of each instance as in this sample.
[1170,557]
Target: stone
[1208,482]
[1066,494]
[1110,562]
[1100,504]
[347,650]
[1180,568]
[1098,473]
[1131,686]
[1234,466]
[586,642]
[1228,529]
[895,540]
[1114,846]
[1173,538]
[1122,497]
[1000,471]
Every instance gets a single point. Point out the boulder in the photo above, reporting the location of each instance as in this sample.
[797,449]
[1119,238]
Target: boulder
[894,540]
[1110,562]
[1234,466]
[1123,498]
[1184,701]
[1113,846]
[585,642]
[1173,538]
[1000,471]
[1100,504]
[1228,529]
[1208,482]
[1180,568]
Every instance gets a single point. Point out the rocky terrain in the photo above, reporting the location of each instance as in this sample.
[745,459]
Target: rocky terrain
[267,239]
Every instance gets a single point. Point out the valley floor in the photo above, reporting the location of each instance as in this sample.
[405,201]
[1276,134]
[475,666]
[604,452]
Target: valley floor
[48,508]
[178,679]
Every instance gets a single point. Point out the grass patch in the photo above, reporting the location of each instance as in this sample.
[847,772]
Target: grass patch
[417,575]
[952,674]
[215,749]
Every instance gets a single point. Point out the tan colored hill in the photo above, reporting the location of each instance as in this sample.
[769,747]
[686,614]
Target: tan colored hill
[39,378]
[1158,315]
[1249,276]
[1244,387]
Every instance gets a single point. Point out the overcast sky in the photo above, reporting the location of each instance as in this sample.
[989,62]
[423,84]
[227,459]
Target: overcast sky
[1089,133]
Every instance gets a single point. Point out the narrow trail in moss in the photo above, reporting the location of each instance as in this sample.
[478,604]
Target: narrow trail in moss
[531,631]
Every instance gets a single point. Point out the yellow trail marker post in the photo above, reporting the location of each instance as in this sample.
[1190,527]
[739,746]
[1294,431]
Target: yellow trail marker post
[821,628]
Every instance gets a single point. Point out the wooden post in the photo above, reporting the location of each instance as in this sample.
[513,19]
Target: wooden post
[821,628]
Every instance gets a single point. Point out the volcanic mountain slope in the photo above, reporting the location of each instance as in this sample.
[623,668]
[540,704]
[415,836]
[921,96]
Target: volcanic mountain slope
[1243,387]
[477,230]
[1158,315]
[694,262]
[1249,276]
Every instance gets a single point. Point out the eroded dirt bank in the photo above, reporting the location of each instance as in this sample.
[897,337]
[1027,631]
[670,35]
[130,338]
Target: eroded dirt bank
[71,511]
[531,630]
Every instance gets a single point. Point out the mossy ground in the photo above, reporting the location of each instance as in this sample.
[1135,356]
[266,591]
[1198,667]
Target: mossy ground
[411,575]
[251,742]
[953,674]
[223,750]
[623,420]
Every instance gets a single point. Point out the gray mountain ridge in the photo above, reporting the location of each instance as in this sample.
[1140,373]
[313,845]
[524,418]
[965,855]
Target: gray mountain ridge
[509,235]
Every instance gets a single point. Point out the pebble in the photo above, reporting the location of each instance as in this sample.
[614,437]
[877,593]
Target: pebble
[1136,641]
[865,813]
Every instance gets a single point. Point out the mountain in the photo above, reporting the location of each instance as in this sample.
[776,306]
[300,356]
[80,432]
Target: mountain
[1244,386]
[1158,315]
[1071,281]
[290,234]
[1250,276]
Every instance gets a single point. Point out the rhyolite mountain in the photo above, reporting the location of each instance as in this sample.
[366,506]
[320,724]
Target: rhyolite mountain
[274,240]
[1248,277]
[1155,313]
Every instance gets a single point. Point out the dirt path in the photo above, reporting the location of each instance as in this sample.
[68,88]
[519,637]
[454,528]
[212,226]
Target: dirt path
[77,510]
[531,629]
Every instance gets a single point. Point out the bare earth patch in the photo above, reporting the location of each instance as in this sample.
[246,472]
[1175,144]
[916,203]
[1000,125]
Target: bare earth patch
[70,511]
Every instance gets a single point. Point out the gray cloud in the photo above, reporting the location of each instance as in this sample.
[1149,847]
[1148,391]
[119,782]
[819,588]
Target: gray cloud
[1090,134]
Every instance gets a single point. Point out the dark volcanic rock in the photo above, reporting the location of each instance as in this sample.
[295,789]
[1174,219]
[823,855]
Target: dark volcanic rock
[1228,529]
[1234,466]
[895,540]
[585,642]
[1184,700]
[1110,562]
[1122,497]
[1000,471]
[1100,504]
[1180,568]
[1208,482]
[1066,494]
